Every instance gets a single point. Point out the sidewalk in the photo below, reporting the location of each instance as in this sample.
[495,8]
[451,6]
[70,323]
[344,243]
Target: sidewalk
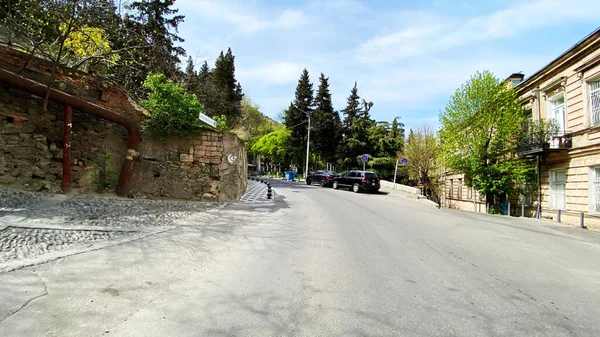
[256,193]
[532,224]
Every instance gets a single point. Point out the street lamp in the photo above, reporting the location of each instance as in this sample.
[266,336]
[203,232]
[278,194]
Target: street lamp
[307,139]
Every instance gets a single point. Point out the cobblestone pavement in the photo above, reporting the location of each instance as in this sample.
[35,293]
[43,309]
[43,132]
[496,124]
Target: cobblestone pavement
[34,224]
[257,193]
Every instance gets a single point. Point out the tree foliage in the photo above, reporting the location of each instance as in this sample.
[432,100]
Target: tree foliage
[218,89]
[275,146]
[121,44]
[421,150]
[481,126]
[295,115]
[326,125]
[172,111]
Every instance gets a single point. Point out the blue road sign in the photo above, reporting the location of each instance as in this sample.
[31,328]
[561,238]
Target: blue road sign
[364,158]
[404,161]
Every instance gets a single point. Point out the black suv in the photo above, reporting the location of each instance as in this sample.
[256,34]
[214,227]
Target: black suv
[358,181]
[322,177]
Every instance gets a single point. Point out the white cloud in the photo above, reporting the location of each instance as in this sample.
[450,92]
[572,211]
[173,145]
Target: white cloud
[274,73]
[245,18]
[353,6]
[436,33]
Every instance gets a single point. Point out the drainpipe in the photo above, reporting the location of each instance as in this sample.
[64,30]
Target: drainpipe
[35,88]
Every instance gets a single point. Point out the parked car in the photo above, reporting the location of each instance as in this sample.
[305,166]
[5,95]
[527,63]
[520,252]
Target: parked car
[322,177]
[358,181]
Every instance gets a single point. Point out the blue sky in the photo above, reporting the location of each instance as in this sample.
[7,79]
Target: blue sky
[408,57]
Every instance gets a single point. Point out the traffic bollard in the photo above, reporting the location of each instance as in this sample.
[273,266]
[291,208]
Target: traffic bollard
[581,224]
[523,209]
[558,216]
[539,210]
[269,191]
[508,209]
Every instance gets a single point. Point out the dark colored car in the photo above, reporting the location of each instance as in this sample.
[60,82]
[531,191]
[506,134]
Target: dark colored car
[358,181]
[322,177]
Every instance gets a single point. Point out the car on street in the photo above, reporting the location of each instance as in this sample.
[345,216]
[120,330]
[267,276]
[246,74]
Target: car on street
[322,177]
[358,181]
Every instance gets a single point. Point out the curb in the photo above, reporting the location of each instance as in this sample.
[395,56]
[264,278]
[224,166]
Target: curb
[52,256]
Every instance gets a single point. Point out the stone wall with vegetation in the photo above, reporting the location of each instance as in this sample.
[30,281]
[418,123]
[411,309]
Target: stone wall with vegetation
[209,167]
[31,142]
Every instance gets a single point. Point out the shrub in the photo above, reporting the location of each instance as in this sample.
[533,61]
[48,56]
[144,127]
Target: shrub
[171,110]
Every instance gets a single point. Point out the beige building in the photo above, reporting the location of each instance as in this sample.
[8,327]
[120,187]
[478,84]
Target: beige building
[566,91]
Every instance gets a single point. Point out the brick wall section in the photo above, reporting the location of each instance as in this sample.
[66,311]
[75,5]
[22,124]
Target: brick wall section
[210,167]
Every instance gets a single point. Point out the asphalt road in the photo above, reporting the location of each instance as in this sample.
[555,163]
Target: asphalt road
[321,263]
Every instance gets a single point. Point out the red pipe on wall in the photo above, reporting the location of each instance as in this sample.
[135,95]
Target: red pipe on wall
[13,80]
[68,123]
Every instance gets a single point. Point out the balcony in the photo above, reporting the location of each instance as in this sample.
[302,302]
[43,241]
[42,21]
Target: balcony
[542,143]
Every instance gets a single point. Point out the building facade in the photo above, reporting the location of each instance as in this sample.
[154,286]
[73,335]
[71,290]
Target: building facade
[565,96]
[566,93]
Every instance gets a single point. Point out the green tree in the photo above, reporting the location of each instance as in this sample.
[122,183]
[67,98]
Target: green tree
[397,135]
[295,116]
[481,126]
[159,23]
[421,150]
[275,147]
[253,123]
[220,92]
[192,82]
[172,111]
[325,128]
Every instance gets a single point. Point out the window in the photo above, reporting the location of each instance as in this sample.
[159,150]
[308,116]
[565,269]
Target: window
[556,110]
[451,194]
[595,102]
[594,197]
[558,179]
[459,189]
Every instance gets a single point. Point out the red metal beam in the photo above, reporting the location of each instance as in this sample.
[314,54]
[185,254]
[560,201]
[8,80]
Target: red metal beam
[18,82]
[68,123]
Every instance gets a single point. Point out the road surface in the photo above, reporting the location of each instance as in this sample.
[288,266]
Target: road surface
[320,262]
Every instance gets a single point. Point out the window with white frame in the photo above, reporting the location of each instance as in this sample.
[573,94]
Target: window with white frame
[594,183]
[595,102]
[558,180]
[556,110]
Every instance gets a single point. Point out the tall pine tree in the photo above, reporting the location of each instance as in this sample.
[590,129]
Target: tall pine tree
[227,88]
[191,77]
[158,21]
[357,124]
[294,115]
[352,109]
[397,135]
[326,123]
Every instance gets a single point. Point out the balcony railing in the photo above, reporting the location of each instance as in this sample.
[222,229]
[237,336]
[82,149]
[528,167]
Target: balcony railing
[541,143]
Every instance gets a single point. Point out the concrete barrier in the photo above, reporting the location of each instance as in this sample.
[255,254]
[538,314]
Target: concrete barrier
[400,187]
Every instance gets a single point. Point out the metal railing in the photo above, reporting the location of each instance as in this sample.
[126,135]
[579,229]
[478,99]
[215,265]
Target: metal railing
[544,141]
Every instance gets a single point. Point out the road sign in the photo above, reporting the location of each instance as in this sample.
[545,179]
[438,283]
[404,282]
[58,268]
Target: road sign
[364,158]
[208,120]
[403,161]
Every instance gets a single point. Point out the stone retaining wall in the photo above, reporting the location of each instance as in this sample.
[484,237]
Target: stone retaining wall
[209,167]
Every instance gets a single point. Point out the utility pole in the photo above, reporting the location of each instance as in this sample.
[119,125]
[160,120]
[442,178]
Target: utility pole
[307,139]
[307,145]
